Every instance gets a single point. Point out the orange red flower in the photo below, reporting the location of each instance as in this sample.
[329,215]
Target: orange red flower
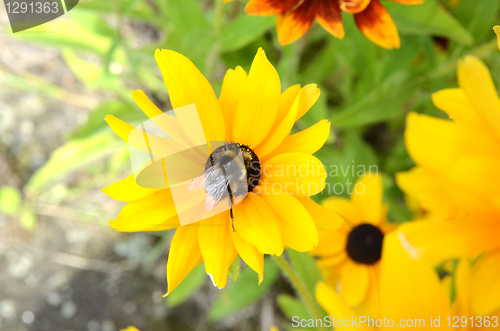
[295,17]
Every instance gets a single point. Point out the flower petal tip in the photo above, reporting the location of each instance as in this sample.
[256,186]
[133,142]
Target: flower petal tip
[496,28]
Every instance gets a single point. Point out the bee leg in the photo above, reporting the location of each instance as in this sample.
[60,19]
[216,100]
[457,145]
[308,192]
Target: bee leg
[232,218]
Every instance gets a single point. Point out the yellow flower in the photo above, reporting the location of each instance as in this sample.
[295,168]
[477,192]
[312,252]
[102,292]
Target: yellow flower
[350,257]
[411,293]
[252,114]
[295,17]
[478,287]
[456,179]
[130,328]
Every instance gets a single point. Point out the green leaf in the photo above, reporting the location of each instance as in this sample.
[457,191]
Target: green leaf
[96,121]
[69,34]
[244,30]
[306,268]
[75,154]
[139,10]
[382,103]
[234,269]
[186,15]
[89,73]
[193,281]
[293,307]
[346,165]
[478,16]
[10,200]
[244,292]
[429,18]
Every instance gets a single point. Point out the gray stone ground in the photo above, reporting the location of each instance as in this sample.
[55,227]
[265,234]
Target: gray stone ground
[72,272]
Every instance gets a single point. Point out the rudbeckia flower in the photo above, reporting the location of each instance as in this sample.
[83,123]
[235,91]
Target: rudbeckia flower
[477,289]
[253,115]
[412,295]
[456,179]
[349,258]
[295,17]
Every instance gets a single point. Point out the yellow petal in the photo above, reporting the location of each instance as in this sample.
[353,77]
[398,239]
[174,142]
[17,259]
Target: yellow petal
[336,307]
[153,210]
[166,122]
[470,174]
[279,130]
[296,173]
[454,102]
[425,189]
[331,243]
[431,141]
[409,286]
[286,101]
[146,105]
[258,225]
[463,275]
[298,229]
[128,190]
[186,85]
[145,142]
[307,141]
[307,96]
[371,304]
[486,285]
[232,87]
[496,28]
[367,198]
[248,253]
[324,218]
[344,207]
[130,328]
[475,79]
[330,266]
[353,283]
[183,256]
[443,240]
[217,247]
[259,102]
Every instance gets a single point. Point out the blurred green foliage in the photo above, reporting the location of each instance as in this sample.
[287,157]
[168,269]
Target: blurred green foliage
[366,91]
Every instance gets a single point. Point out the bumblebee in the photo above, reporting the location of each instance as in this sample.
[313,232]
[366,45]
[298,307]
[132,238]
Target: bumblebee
[232,170]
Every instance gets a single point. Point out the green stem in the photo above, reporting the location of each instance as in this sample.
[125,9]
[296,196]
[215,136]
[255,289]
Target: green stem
[219,11]
[299,286]
[215,51]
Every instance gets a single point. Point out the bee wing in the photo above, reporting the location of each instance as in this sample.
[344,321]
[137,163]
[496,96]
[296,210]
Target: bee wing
[204,178]
[198,182]
[217,190]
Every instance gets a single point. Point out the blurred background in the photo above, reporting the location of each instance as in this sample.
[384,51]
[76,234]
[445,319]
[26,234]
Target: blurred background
[63,267]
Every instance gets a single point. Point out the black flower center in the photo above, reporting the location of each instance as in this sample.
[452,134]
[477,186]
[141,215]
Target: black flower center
[226,153]
[364,244]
